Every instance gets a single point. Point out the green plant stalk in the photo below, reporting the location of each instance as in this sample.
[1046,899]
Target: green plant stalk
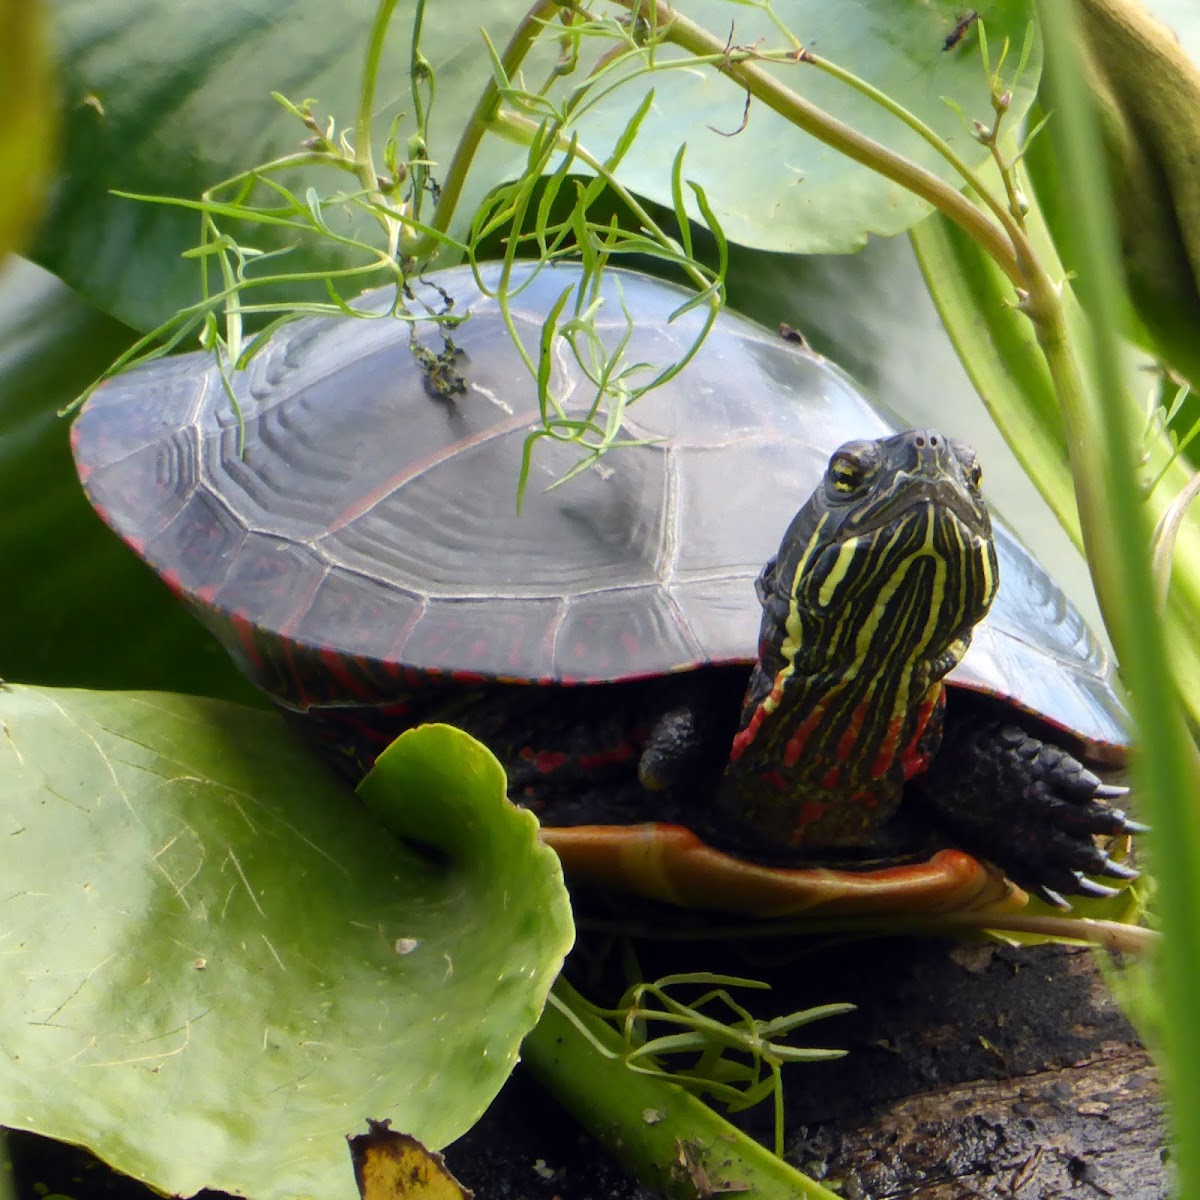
[672,1141]
[1010,224]
[1166,767]
[364,159]
[1118,935]
[739,66]
[482,116]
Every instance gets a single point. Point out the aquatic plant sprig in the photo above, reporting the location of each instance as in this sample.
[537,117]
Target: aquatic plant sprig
[732,1056]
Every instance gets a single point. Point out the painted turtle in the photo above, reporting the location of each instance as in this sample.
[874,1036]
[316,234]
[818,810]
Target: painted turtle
[350,533]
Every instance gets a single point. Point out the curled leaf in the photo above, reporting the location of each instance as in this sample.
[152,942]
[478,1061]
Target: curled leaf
[1147,92]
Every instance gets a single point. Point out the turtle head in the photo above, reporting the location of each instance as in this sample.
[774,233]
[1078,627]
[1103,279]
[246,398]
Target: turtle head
[872,597]
[894,548]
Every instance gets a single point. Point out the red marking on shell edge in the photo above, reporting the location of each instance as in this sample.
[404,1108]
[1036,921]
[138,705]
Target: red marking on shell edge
[172,580]
[831,779]
[245,630]
[339,668]
[776,780]
[468,677]
[292,671]
[206,592]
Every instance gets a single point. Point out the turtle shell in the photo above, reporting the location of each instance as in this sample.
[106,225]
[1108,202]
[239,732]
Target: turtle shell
[351,523]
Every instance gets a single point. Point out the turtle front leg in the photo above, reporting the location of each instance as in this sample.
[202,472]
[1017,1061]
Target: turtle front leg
[1027,805]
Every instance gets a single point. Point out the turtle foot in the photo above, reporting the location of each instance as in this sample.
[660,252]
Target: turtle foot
[1030,807]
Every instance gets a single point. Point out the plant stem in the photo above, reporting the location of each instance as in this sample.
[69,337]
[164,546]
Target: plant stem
[671,1140]
[482,115]
[1001,237]
[1002,214]
[738,66]
[364,159]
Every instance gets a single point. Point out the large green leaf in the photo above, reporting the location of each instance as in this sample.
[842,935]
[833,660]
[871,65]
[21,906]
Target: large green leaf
[217,962]
[1146,91]
[776,188]
[26,100]
[169,99]
[86,612]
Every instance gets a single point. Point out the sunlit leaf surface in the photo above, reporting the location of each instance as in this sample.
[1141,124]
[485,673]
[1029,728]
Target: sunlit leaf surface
[215,959]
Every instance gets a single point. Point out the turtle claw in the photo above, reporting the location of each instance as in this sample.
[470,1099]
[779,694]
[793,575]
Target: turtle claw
[1030,807]
[1075,882]
[1051,897]
[1128,825]
[1118,870]
[1089,887]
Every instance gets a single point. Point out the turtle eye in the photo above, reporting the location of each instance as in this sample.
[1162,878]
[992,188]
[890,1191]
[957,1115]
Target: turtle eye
[852,467]
[972,471]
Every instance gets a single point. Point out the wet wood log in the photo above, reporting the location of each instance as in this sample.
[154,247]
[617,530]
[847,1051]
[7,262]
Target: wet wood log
[1091,1129]
[988,1072]
[973,1071]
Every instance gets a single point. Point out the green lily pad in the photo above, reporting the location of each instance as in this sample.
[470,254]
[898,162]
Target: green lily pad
[217,960]
[775,187]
